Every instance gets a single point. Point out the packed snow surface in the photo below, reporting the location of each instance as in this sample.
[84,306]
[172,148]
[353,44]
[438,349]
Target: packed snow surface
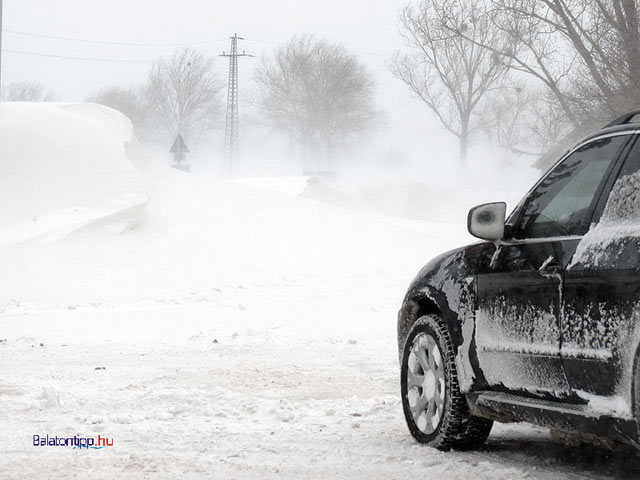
[232,332]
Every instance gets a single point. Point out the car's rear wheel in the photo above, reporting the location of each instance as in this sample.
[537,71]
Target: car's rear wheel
[436,411]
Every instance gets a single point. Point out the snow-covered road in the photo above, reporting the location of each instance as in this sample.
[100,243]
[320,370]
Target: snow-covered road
[235,333]
[226,389]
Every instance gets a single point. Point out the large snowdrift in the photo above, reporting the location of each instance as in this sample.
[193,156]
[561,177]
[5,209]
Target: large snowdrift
[65,166]
[73,168]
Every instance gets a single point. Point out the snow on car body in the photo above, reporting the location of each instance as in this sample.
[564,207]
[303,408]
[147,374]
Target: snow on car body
[542,317]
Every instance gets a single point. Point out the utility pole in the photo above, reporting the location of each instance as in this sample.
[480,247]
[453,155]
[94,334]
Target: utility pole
[231,129]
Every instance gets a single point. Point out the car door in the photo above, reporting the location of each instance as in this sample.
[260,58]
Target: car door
[518,333]
[602,289]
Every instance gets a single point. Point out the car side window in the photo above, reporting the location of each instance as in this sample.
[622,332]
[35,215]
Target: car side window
[562,204]
[632,163]
[623,202]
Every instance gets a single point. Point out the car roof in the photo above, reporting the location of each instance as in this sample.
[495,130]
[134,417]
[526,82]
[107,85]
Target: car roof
[630,121]
[608,130]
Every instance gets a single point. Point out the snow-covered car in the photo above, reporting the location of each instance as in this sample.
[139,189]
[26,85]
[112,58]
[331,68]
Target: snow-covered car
[540,322]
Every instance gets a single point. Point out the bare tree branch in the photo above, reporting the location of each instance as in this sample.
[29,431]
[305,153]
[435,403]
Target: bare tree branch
[453,63]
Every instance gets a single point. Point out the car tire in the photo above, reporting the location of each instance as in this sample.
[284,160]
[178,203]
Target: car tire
[436,412]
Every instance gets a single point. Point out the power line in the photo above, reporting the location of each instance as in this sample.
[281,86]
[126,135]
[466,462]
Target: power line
[107,42]
[263,41]
[135,44]
[129,44]
[117,60]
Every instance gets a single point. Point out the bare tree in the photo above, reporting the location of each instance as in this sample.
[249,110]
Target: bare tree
[318,93]
[524,119]
[586,53]
[27,92]
[605,38]
[445,70]
[132,101]
[534,49]
[184,95]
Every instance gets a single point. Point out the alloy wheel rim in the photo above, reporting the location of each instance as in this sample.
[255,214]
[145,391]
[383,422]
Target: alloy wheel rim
[425,383]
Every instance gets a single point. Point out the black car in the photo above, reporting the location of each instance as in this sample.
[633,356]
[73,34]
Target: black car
[540,322]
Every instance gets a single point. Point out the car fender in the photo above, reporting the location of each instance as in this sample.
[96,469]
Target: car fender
[447,286]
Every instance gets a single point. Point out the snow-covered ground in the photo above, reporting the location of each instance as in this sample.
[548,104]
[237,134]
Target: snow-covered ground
[213,329]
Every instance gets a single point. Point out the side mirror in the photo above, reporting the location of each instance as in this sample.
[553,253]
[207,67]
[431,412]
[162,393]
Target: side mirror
[487,221]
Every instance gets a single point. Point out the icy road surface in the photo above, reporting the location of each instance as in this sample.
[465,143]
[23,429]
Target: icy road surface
[239,391]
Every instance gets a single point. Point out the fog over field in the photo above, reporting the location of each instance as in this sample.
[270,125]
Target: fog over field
[127,39]
[235,317]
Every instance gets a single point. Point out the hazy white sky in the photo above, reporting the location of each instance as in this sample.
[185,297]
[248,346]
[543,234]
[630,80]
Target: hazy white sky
[367,27]
[364,26]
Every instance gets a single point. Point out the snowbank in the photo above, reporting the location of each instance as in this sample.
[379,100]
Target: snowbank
[306,187]
[77,167]
[65,166]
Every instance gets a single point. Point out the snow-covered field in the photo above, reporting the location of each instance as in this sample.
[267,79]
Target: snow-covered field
[212,329]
